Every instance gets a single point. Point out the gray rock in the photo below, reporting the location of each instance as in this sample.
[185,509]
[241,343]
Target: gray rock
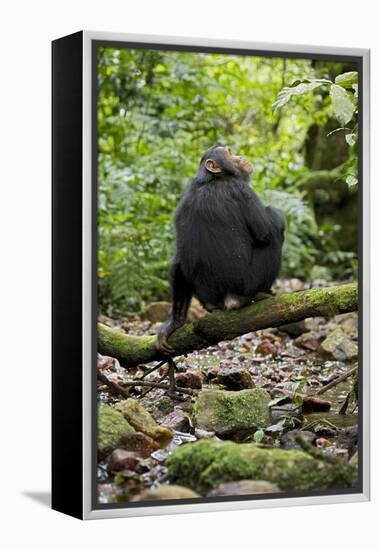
[235,379]
[176,420]
[158,407]
[203,434]
[338,346]
[165,492]
[120,460]
[244,487]
[294,329]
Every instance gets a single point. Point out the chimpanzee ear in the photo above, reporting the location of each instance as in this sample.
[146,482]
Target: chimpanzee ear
[212,166]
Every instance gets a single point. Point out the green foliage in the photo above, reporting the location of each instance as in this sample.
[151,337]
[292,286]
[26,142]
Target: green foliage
[157,113]
[343,97]
[298,88]
[343,107]
[299,253]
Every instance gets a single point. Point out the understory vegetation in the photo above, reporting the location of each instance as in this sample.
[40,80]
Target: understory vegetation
[295,119]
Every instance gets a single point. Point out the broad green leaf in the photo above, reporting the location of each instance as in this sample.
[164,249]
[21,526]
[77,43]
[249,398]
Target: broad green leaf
[278,427]
[346,80]
[297,89]
[351,139]
[341,103]
[277,400]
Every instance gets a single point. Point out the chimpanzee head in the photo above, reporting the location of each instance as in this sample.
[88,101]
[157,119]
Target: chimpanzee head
[219,161]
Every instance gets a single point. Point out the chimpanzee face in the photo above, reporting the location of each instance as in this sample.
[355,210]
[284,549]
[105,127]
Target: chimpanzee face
[239,161]
[218,160]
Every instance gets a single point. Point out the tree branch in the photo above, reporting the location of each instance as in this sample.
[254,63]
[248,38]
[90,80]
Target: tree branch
[222,325]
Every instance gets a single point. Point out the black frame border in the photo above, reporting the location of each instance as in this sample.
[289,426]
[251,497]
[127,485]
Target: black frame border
[67,257]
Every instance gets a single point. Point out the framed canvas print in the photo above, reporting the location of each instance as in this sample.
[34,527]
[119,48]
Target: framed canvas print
[210,275]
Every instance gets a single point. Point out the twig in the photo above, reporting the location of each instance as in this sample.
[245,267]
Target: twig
[152,369]
[119,389]
[345,404]
[158,385]
[337,381]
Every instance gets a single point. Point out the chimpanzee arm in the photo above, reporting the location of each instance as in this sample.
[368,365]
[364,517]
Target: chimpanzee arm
[257,218]
[182,294]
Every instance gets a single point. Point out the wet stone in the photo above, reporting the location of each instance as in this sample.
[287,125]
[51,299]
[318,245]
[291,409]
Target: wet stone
[141,443]
[266,348]
[338,346]
[203,434]
[165,492]
[294,329]
[235,379]
[158,407]
[244,487]
[192,379]
[176,420]
[315,404]
[308,341]
[120,460]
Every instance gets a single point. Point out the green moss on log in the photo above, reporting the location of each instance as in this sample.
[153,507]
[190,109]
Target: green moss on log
[222,325]
[132,350]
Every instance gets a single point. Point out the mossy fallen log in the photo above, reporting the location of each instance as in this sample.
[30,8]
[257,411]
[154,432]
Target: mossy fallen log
[222,325]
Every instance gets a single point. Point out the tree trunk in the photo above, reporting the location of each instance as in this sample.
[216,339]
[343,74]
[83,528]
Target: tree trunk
[222,325]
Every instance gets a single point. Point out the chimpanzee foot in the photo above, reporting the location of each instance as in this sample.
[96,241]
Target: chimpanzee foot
[231,302]
[163,346]
[164,332]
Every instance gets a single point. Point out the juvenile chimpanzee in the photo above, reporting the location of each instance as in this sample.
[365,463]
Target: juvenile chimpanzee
[228,243]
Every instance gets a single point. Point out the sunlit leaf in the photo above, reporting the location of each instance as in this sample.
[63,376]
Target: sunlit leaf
[342,106]
[351,181]
[351,139]
[297,90]
[347,80]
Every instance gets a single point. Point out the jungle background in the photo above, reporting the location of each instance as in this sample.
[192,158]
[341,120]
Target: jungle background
[159,111]
[296,120]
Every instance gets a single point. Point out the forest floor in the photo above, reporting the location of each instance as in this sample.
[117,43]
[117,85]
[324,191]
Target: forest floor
[291,364]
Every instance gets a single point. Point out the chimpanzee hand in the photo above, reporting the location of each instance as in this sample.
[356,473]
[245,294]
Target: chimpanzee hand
[165,330]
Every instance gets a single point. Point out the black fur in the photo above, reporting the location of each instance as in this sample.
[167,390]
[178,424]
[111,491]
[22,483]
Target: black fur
[227,241]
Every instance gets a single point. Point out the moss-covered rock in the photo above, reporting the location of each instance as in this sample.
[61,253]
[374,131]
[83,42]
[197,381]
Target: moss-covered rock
[113,430]
[206,464]
[142,421]
[225,412]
